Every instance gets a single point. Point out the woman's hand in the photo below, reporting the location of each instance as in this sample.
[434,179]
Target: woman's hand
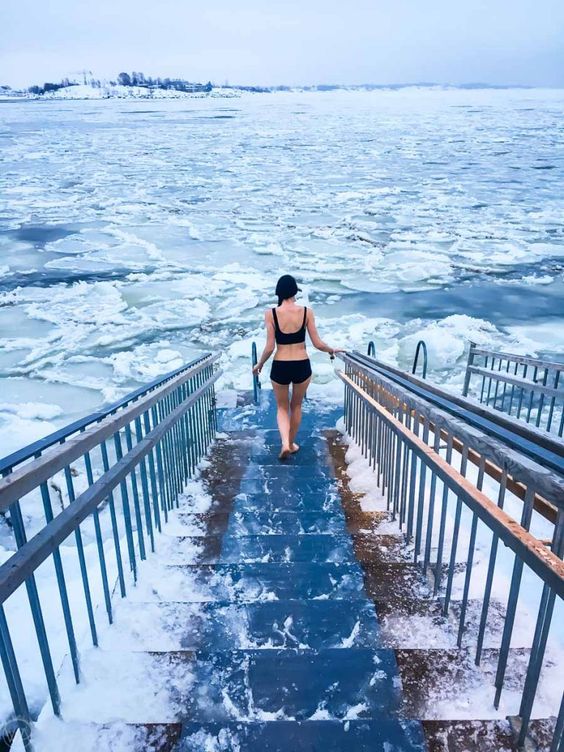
[257,369]
[334,351]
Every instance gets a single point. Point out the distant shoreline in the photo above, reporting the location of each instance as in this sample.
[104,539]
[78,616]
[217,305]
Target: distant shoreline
[81,92]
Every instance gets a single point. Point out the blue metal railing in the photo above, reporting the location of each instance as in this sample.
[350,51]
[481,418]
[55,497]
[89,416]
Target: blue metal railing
[403,435]
[526,388]
[139,452]
[421,346]
[256,378]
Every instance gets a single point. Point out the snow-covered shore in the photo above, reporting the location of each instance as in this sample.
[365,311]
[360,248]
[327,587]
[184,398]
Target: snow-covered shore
[116,91]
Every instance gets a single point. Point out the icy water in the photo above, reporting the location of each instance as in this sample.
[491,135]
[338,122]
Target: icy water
[135,235]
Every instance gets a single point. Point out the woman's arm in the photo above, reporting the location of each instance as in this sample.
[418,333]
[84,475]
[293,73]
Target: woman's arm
[316,340]
[270,343]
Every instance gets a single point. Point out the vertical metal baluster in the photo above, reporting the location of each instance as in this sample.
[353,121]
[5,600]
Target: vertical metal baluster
[552,402]
[431,512]
[421,499]
[483,380]
[14,682]
[497,384]
[36,612]
[442,523]
[490,381]
[455,534]
[99,543]
[505,387]
[145,485]
[412,484]
[113,518]
[512,601]
[470,558]
[126,511]
[158,418]
[82,561]
[490,574]
[531,398]
[512,395]
[160,469]
[542,630]
[62,586]
[522,392]
[541,400]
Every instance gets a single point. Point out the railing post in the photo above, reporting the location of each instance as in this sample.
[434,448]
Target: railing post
[468,373]
[256,379]
[421,345]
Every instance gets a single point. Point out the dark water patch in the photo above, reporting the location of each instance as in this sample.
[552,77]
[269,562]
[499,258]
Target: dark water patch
[214,117]
[503,305]
[48,278]
[40,235]
[543,167]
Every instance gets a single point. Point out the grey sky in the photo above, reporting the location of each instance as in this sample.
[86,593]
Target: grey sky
[294,41]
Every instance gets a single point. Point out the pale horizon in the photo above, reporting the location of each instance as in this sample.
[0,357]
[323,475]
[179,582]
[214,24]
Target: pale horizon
[302,44]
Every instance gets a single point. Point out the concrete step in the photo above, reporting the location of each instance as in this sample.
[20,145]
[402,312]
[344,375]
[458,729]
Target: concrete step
[313,625]
[430,676]
[284,471]
[284,523]
[250,582]
[293,684]
[293,502]
[383,735]
[485,736]
[287,485]
[287,548]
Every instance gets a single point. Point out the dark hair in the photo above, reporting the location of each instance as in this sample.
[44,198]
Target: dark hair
[286,287]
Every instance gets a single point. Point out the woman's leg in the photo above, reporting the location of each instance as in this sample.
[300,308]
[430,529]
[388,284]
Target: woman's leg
[282,394]
[298,394]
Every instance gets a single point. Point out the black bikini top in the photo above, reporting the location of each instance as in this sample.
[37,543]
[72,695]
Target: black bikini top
[292,338]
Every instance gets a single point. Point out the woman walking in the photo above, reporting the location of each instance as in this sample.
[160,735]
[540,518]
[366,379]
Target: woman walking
[286,327]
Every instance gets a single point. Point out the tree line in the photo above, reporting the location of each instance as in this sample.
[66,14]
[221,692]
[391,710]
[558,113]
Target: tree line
[128,79]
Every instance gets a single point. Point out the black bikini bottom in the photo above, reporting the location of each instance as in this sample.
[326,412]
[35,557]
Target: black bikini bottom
[290,371]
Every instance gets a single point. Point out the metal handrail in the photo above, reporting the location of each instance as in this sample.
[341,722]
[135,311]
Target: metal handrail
[37,447]
[371,352]
[256,379]
[420,345]
[402,435]
[530,389]
[144,452]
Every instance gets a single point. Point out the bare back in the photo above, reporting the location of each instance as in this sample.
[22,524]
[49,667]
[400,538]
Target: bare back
[290,318]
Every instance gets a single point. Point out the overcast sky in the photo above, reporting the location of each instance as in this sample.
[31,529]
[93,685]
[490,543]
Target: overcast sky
[286,41]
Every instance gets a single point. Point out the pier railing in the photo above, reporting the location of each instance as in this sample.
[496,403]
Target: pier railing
[527,388]
[432,467]
[114,475]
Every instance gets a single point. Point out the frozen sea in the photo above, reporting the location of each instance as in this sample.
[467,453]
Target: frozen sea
[135,235]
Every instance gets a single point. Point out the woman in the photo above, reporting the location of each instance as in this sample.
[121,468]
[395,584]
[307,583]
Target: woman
[286,326]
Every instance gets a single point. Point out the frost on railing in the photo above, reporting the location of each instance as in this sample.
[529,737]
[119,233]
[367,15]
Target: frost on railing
[457,492]
[103,486]
[526,388]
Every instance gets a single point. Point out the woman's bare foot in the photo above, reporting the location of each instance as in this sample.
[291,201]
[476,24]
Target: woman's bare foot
[295,447]
[285,452]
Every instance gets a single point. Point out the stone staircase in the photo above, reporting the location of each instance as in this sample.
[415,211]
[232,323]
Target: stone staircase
[294,659]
